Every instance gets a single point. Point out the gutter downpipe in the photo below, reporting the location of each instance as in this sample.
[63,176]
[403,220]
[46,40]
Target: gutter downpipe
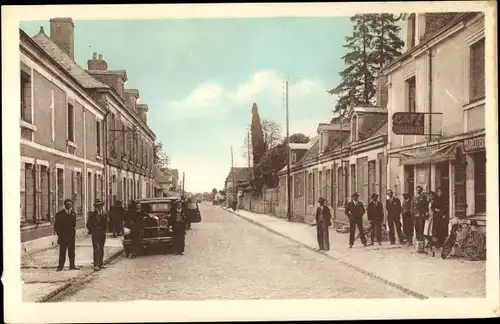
[429,139]
[105,158]
[84,173]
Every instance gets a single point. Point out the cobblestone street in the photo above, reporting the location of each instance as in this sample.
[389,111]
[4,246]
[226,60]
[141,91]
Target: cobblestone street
[229,258]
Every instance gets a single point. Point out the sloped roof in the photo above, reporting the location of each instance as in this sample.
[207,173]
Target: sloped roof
[381,130]
[299,146]
[66,62]
[311,154]
[240,174]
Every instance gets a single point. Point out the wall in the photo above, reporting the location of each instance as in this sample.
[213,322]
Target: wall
[449,87]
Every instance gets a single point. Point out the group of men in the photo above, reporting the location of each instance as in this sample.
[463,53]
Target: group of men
[98,224]
[404,218]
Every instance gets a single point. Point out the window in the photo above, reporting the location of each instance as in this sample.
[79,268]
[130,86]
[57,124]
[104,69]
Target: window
[340,177]
[372,183]
[411,87]
[124,144]
[310,187]
[320,184]
[353,178]
[98,137]
[327,184]
[71,123]
[192,206]
[113,134]
[354,128]
[163,207]
[26,97]
[477,71]
[480,182]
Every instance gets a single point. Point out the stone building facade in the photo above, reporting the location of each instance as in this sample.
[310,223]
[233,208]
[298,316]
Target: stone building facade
[83,135]
[60,130]
[442,74]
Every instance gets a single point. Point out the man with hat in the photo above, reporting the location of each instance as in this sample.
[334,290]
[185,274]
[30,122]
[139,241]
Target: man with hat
[355,211]
[96,224]
[116,215]
[375,213]
[393,207]
[323,220]
[64,226]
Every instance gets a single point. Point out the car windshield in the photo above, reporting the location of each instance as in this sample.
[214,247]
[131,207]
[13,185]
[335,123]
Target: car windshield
[159,207]
[192,205]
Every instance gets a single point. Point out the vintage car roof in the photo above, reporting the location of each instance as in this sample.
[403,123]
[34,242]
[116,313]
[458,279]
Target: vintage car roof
[157,199]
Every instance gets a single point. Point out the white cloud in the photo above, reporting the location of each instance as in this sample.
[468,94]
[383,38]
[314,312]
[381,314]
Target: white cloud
[309,104]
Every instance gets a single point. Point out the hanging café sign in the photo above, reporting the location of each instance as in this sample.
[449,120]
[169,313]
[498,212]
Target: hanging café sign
[404,123]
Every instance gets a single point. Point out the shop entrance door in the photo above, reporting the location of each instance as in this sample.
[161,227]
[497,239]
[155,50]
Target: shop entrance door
[460,190]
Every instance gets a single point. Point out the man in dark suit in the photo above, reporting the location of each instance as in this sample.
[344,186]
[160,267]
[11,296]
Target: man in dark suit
[116,216]
[375,213]
[178,222]
[64,226]
[323,220]
[355,211]
[96,224]
[393,207]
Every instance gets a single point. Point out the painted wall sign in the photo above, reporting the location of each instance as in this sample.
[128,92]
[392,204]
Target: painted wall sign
[408,123]
[475,143]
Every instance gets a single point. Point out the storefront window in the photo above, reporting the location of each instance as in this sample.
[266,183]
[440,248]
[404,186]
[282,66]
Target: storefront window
[480,182]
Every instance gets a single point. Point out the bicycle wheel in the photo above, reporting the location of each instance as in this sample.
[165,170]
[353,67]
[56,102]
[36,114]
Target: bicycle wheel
[474,246]
[447,247]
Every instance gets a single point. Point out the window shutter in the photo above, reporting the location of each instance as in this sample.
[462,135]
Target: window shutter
[365,181]
[23,177]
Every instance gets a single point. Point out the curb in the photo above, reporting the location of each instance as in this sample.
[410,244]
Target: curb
[350,265]
[76,280]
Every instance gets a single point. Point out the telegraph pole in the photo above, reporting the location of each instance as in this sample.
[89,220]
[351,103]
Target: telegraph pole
[288,183]
[232,174]
[249,165]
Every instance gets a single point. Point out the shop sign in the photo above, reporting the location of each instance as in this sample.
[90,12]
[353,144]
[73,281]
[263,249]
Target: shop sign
[475,143]
[404,123]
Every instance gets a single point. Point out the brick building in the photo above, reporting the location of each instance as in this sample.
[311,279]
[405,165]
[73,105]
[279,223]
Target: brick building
[83,136]
[60,135]
[442,74]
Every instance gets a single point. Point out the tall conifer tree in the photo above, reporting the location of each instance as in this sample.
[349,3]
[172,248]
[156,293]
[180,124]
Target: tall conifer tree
[257,136]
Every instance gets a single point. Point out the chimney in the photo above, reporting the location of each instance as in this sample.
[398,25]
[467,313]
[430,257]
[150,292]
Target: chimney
[382,92]
[131,96]
[97,63]
[62,33]
[142,109]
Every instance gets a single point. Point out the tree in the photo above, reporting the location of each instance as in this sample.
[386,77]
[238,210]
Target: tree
[357,85]
[272,137]
[374,42]
[159,157]
[299,138]
[387,44]
[214,191]
[257,136]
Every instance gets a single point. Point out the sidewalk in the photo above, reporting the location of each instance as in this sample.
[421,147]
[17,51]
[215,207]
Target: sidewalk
[418,274]
[38,270]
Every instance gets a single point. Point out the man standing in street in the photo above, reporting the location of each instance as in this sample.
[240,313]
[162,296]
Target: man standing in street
[393,207]
[355,211]
[96,224]
[375,213]
[407,219]
[420,209]
[323,221]
[178,221]
[64,226]
[116,215]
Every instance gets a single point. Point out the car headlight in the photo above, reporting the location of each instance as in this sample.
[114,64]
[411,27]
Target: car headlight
[163,223]
[126,231]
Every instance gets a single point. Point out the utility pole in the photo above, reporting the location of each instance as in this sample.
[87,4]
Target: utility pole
[183,183]
[288,182]
[232,174]
[248,153]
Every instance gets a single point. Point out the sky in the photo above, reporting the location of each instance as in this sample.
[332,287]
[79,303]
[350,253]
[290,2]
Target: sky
[200,77]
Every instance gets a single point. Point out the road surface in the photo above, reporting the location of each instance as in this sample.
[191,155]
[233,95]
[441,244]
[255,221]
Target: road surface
[227,257]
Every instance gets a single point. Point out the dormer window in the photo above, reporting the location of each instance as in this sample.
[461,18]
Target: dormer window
[354,128]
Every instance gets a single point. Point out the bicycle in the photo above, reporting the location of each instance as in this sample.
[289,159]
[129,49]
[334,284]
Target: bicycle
[384,234]
[471,241]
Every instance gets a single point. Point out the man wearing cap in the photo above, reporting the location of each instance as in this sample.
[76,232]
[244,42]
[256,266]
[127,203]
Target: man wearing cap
[393,207]
[64,226]
[355,211]
[323,220]
[96,224]
[375,213]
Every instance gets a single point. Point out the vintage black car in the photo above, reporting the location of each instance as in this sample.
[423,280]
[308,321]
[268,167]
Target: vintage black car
[156,229]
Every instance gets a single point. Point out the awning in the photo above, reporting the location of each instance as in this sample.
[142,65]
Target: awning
[430,154]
